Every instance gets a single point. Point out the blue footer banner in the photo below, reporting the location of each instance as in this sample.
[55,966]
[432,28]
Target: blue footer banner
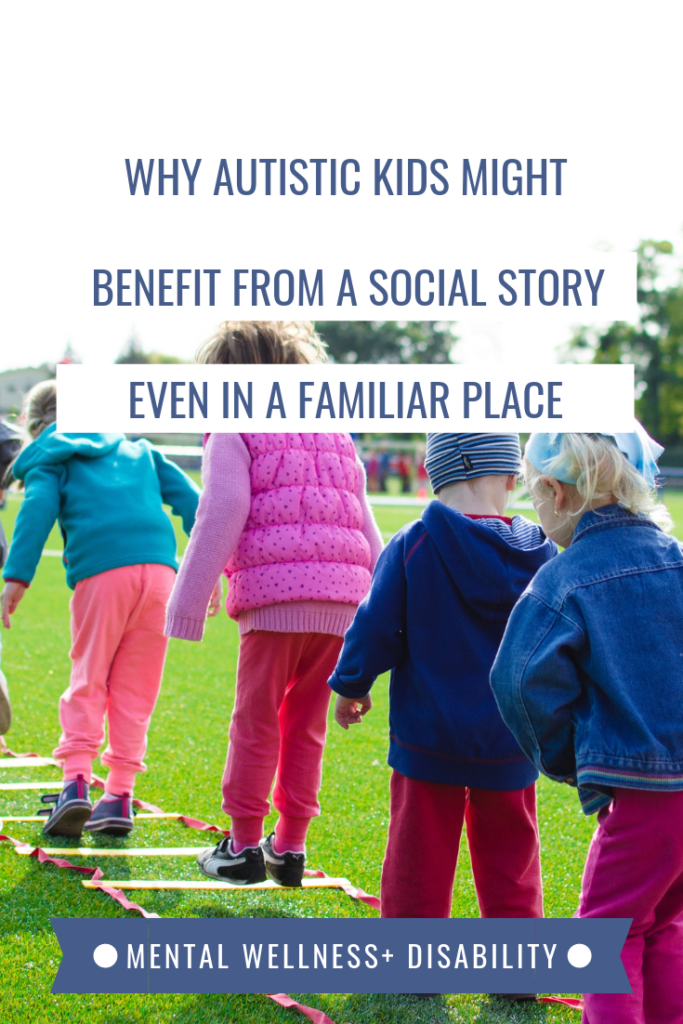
[347,955]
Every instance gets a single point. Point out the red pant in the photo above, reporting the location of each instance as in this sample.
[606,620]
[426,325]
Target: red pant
[278,725]
[118,651]
[422,849]
[635,869]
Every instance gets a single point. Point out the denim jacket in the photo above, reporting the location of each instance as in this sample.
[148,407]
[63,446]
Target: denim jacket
[589,675]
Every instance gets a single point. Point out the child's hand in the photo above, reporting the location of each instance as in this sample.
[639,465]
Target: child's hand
[350,710]
[216,598]
[12,594]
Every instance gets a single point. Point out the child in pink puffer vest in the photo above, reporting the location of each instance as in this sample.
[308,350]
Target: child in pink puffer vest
[285,517]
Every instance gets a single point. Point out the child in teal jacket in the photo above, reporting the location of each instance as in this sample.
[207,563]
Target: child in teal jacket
[107,493]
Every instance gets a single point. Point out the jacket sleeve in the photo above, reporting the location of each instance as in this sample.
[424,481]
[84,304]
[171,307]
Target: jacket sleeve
[371,531]
[221,518]
[537,684]
[37,515]
[376,640]
[177,490]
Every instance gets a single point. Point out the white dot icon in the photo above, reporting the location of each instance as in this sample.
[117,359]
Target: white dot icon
[579,955]
[105,955]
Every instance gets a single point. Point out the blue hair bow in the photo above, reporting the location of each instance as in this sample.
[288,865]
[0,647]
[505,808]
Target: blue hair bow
[542,450]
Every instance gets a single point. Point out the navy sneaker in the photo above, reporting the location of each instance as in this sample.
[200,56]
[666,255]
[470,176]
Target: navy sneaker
[113,817]
[284,868]
[72,809]
[222,863]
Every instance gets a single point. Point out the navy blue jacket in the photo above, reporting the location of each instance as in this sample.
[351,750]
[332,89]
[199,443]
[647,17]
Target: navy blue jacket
[441,594]
[589,676]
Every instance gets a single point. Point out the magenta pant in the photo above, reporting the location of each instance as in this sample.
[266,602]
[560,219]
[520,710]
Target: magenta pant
[278,725]
[635,869]
[118,651]
[424,840]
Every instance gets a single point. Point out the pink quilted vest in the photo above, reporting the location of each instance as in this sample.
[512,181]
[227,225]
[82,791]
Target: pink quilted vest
[303,539]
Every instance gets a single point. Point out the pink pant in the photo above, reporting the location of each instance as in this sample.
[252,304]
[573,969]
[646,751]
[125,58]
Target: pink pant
[278,724]
[424,838]
[635,869]
[118,650]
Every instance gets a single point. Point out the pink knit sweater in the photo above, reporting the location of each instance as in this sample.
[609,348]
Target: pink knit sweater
[222,515]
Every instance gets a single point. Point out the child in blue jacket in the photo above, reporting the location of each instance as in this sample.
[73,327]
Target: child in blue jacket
[120,556]
[589,677]
[441,595]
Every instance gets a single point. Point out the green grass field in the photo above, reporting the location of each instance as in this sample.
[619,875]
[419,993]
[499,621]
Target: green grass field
[185,761]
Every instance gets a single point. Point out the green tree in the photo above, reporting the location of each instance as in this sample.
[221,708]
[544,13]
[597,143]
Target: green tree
[134,353]
[367,341]
[654,344]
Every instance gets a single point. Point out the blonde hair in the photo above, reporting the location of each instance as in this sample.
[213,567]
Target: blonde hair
[601,471]
[39,411]
[263,341]
[40,408]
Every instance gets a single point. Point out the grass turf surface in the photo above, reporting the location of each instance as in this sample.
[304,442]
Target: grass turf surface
[185,762]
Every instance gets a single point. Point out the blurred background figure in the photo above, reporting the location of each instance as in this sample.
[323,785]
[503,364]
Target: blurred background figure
[9,446]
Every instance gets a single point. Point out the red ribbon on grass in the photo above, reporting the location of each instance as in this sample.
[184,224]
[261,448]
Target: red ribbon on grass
[4,749]
[353,891]
[43,857]
[96,874]
[317,1016]
[575,1004]
[201,826]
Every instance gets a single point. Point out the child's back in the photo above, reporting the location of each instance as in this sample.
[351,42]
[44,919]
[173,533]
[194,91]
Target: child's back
[443,592]
[583,644]
[107,493]
[303,541]
[437,609]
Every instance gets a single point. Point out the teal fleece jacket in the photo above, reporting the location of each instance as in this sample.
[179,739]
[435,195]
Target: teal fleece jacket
[107,493]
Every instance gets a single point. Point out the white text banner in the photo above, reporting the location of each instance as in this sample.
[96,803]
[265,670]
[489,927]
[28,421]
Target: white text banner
[379,398]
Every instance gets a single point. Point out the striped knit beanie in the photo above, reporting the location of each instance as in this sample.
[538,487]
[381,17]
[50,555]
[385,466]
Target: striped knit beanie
[455,457]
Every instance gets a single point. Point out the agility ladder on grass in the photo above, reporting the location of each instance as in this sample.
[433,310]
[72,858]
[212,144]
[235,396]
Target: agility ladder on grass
[313,879]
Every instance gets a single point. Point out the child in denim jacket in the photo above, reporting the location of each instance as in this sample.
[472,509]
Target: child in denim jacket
[589,678]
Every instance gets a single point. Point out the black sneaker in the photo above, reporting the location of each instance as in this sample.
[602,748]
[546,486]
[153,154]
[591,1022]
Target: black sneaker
[284,868]
[72,809]
[243,868]
[113,817]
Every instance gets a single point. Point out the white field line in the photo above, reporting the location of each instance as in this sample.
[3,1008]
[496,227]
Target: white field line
[26,762]
[127,883]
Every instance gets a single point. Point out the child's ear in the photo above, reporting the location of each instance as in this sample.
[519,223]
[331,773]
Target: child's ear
[511,482]
[560,493]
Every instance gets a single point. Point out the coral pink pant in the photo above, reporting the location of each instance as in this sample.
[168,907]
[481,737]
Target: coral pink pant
[118,650]
[278,725]
[635,869]
[422,849]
